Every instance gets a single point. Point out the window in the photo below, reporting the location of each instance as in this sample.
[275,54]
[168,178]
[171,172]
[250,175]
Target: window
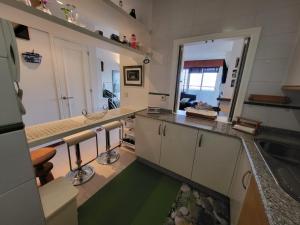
[202,81]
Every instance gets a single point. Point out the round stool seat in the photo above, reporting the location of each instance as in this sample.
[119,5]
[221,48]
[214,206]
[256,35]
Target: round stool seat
[42,167]
[41,156]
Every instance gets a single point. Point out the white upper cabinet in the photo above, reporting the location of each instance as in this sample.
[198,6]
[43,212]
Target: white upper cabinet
[148,138]
[178,148]
[215,161]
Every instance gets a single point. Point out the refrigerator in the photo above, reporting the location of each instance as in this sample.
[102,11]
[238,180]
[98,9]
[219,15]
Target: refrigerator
[20,202]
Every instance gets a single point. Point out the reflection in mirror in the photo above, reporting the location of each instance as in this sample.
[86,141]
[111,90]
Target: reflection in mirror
[69,78]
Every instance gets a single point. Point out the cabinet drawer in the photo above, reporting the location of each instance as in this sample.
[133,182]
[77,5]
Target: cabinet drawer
[17,160]
[22,205]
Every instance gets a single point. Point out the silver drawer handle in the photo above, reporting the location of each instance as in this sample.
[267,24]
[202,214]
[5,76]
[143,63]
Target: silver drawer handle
[65,98]
[159,128]
[244,177]
[164,131]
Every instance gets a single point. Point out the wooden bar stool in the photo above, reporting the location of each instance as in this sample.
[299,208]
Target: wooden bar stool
[83,173]
[110,155]
[42,167]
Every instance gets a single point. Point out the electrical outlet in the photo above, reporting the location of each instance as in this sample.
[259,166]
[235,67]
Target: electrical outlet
[163,98]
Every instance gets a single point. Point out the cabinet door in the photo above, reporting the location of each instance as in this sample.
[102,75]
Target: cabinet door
[9,112]
[215,161]
[3,44]
[239,186]
[253,211]
[178,148]
[148,138]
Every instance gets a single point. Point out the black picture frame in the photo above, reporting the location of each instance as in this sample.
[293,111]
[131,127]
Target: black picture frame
[133,76]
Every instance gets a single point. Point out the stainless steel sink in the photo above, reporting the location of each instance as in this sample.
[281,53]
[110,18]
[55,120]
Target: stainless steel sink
[284,163]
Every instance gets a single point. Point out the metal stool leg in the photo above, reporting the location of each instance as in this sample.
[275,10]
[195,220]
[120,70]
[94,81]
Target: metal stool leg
[110,156]
[83,173]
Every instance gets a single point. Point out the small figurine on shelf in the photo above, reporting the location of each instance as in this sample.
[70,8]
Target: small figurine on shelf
[43,7]
[133,43]
[125,41]
[121,4]
[132,13]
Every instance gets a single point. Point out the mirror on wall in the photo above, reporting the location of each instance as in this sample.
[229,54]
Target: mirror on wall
[68,78]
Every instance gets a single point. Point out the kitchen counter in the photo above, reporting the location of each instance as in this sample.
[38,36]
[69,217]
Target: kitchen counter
[47,132]
[280,208]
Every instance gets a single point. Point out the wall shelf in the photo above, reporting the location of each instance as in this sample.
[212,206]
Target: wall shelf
[291,87]
[277,105]
[61,28]
[123,12]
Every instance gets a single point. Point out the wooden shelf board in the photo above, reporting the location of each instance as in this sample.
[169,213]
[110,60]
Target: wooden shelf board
[35,18]
[277,105]
[291,87]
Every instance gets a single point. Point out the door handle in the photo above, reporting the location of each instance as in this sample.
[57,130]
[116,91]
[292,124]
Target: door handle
[164,131]
[159,129]
[244,177]
[200,140]
[65,98]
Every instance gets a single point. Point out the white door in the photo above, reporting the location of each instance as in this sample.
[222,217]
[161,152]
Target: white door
[215,161]
[178,148]
[72,72]
[148,138]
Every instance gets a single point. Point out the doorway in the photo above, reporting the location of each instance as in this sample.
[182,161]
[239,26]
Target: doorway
[209,73]
[241,75]
[72,72]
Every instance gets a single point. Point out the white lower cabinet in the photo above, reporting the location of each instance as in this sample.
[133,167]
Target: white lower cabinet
[239,187]
[178,148]
[204,157]
[148,138]
[215,161]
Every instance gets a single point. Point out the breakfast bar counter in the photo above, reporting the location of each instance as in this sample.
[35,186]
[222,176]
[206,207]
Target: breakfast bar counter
[44,133]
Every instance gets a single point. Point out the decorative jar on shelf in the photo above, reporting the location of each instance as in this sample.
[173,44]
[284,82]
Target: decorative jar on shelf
[71,13]
[43,7]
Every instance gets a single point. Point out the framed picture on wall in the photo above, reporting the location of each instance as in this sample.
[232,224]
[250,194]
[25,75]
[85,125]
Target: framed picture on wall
[133,75]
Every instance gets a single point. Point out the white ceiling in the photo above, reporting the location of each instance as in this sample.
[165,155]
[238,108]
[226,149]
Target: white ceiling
[210,50]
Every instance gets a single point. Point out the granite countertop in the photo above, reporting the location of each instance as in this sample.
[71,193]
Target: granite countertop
[280,208]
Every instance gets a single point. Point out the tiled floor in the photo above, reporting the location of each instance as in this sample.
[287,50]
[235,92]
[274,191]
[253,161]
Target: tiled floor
[103,173]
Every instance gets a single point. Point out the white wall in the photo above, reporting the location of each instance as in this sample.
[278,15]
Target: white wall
[143,10]
[131,96]
[231,60]
[95,14]
[294,70]
[174,19]
[37,80]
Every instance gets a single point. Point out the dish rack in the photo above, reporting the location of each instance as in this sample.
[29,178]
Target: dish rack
[129,134]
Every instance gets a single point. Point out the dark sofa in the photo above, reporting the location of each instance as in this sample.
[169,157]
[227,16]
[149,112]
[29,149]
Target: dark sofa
[190,103]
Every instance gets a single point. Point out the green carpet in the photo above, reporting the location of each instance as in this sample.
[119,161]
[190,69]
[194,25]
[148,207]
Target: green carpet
[139,195]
